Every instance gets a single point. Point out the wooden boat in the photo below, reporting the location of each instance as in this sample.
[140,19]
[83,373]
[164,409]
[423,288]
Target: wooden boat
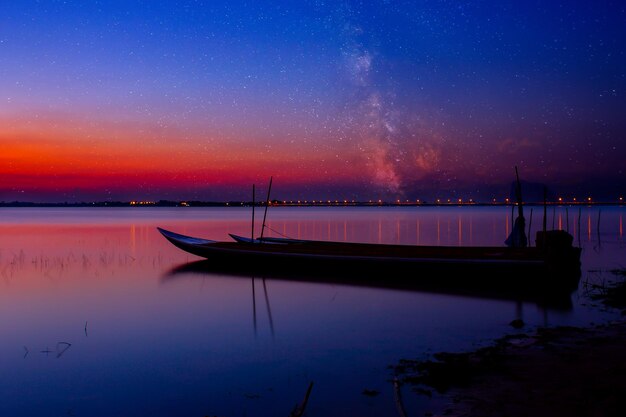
[555,254]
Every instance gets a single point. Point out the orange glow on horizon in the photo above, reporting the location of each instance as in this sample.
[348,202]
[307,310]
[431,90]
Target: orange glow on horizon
[57,156]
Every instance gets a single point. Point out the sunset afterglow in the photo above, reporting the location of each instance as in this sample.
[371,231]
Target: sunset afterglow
[153,100]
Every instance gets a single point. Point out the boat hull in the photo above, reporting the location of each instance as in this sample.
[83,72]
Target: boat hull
[394,261]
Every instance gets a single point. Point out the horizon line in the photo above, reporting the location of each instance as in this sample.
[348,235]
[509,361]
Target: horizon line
[310,203]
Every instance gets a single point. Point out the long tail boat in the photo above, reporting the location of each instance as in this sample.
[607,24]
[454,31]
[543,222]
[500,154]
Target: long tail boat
[554,254]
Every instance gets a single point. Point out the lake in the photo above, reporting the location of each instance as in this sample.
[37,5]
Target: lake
[95,319]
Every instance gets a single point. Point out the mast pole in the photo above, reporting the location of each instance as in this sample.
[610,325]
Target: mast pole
[253,206]
[267,203]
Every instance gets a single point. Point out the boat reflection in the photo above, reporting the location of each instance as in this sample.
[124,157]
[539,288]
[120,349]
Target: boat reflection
[494,287]
[267,304]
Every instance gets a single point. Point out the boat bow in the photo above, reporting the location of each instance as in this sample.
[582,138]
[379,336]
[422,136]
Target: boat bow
[177,237]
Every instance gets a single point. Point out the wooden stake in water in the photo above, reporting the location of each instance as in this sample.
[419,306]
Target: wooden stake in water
[299,409]
[545,208]
[545,215]
[579,231]
[398,397]
[518,195]
[598,226]
[530,224]
[567,219]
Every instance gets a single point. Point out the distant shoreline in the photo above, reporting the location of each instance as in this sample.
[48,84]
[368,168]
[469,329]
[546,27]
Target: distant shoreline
[276,203]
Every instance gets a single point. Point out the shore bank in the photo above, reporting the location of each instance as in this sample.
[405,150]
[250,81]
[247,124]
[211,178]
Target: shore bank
[562,371]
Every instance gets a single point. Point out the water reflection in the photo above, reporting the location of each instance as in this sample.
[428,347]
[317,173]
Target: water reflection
[149,338]
[495,287]
[267,304]
[269,309]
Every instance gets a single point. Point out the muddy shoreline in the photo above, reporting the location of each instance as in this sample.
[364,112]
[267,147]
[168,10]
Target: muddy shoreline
[562,371]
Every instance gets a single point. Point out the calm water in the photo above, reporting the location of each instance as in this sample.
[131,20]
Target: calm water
[94,323]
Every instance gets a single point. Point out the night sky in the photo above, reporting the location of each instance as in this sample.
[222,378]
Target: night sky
[361,100]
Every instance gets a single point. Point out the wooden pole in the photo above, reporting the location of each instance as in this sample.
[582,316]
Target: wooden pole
[567,219]
[518,195]
[579,231]
[545,216]
[253,204]
[598,226]
[299,409]
[530,224]
[545,209]
[267,203]
[398,397]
